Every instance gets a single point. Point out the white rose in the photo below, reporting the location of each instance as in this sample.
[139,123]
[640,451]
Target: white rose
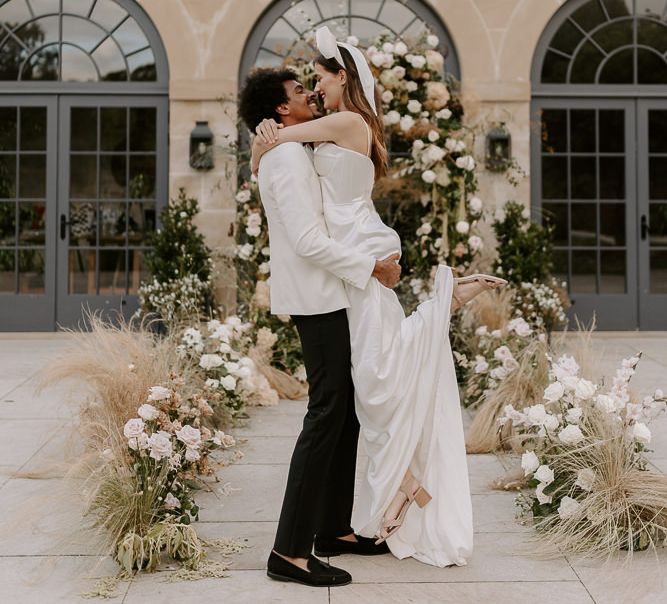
[414,106]
[475,243]
[352,40]
[228,382]
[536,414]
[225,348]
[433,135]
[462,227]
[158,393]
[388,59]
[539,493]
[585,479]
[160,445]
[502,352]
[466,162]
[481,367]
[554,392]
[544,474]
[148,412]
[189,436]
[399,72]
[211,383]
[418,144]
[481,330]
[568,507]
[510,364]
[573,415]
[433,153]
[496,333]
[377,59]
[210,361]
[245,251]
[432,40]
[387,47]
[171,502]
[392,117]
[428,176]
[265,268]
[407,122]
[243,196]
[424,229]
[499,373]
[475,204]
[133,427]
[641,433]
[584,389]
[400,49]
[418,61]
[387,96]
[411,86]
[266,251]
[551,422]
[571,435]
[192,454]
[253,231]
[443,114]
[529,462]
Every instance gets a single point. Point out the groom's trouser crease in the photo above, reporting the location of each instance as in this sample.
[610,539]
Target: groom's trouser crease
[320,483]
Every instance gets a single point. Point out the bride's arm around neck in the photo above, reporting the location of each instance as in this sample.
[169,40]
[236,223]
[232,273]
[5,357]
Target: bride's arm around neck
[343,128]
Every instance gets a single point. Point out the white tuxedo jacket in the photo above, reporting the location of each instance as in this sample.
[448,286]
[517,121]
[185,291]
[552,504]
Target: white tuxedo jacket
[307,266]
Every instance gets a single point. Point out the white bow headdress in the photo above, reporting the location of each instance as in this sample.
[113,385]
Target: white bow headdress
[329,47]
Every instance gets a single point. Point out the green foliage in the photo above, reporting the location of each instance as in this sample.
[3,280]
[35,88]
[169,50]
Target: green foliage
[524,247]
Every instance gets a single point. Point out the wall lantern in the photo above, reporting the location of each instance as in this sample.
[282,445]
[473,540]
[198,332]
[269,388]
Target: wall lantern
[201,147]
[498,148]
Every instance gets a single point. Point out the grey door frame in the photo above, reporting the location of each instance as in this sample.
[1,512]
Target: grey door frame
[36,312]
[612,311]
[652,307]
[69,307]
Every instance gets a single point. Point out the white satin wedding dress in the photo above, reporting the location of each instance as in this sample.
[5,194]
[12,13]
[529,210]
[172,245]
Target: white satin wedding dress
[407,397]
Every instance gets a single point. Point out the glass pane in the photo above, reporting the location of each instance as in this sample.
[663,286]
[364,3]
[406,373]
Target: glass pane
[142,177]
[43,65]
[32,220]
[142,66]
[130,37]
[14,12]
[32,176]
[267,59]
[612,130]
[658,224]
[554,130]
[110,61]
[33,128]
[142,129]
[650,8]
[82,32]
[280,38]
[584,269]
[82,272]
[7,128]
[619,69]
[83,224]
[44,30]
[7,176]
[112,272]
[43,7]
[554,68]
[614,35]
[415,32]
[612,224]
[652,34]
[138,270]
[556,215]
[112,224]
[612,272]
[585,64]
[618,8]
[582,130]
[79,7]
[560,271]
[566,38]
[7,223]
[612,177]
[395,15]
[84,129]
[304,15]
[83,177]
[589,15]
[113,128]
[554,177]
[651,68]
[12,58]
[658,271]
[108,14]
[583,227]
[657,184]
[657,129]
[77,66]
[7,274]
[141,222]
[584,177]
[112,176]
[31,271]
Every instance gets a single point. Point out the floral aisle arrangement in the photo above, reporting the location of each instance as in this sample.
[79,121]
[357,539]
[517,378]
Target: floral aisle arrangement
[181,267]
[590,490]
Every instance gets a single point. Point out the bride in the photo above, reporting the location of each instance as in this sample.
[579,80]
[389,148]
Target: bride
[406,392]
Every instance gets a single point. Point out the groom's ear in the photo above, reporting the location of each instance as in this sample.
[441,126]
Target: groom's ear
[282,109]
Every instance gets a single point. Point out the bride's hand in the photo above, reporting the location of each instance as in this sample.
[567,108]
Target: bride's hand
[268,130]
[259,148]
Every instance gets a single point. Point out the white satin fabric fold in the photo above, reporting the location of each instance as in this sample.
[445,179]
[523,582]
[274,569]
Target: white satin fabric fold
[407,397]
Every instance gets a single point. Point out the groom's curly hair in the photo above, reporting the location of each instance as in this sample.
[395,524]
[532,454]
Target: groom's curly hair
[262,92]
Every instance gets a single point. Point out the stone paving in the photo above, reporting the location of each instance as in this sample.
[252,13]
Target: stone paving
[42,560]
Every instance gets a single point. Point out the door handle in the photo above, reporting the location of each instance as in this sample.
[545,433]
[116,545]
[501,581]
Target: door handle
[645,231]
[63,226]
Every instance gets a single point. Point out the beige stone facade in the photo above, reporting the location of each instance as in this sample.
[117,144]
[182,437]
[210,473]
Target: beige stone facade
[205,40]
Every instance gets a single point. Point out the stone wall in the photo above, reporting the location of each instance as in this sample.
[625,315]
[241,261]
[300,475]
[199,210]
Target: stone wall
[204,39]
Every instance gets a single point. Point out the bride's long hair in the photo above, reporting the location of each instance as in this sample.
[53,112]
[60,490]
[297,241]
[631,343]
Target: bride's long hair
[355,100]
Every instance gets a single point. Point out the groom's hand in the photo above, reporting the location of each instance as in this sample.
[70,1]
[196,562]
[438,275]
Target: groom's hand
[388,272]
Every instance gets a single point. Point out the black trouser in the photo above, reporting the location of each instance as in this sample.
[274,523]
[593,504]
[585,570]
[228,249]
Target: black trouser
[320,485]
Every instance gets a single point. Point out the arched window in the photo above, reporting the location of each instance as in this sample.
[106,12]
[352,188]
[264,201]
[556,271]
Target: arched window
[287,28]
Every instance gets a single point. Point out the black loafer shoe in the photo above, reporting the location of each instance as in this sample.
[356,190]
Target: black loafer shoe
[320,573]
[363,546]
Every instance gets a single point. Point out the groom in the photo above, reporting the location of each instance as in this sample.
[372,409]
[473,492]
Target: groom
[308,269]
